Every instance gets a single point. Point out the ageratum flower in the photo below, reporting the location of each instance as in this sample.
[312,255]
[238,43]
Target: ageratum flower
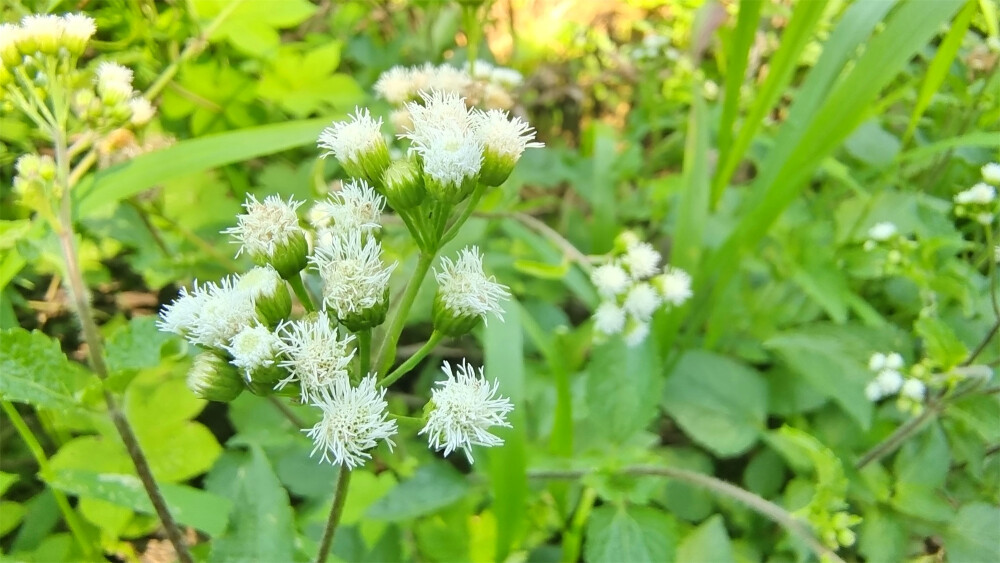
[270,233]
[504,140]
[315,355]
[355,281]
[354,420]
[358,145]
[465,294]
[610,279]
[355,207]
[465,407]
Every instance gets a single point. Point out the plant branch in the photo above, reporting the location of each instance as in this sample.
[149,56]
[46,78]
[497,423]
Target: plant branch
[300,291]
[387,350]
[413,360]
[339,496]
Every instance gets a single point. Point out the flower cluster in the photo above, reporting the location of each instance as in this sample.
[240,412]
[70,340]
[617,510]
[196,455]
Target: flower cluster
[889,380]
[980,201]
[632,287]
[483,85]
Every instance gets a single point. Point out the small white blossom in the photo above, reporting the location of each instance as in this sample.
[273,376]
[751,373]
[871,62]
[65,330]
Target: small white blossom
[316,356]
[354,277]
[265,226]
[913,389]
[356,207]
[224,312]
[348,140]
[465,407]
[882,231]
[981,193]
[889,381]
[450,157]
[609,279]
[180,316]
[991,173]
[609,318]
[450,79]
[44,30]
[642,260]
[894,361]
[142,111]
[873,391]
[465,290]
[876,362]
[260,281]
[674,285]
[78,28]
[642,301]
[501,134]
[636,333]
[395,85]
[254,347]
[114,81]
[354,420]
[437,111]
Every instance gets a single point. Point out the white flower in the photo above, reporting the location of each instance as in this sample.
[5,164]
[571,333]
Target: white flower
[981,193]
[609,318]
[349,140]
[913,389]
[451,157]
[642,260]
[889,381]
[991,173]
[465,407]
[315,355]
[609,279]
[507,77]
[877,362]
[354,420]
[225,311]
[180,316]
[260,281]
[265,226]
[873,391]
[502,135]
[356,207]
[114,81]
[465,290]
[450,79]
[142,111]
[354,277]
[894,361]
[642,301]
[254,347]
[674,285]
[78,28]
[439,110]
[44,30]
[636,333]
[882,231]
[395,85]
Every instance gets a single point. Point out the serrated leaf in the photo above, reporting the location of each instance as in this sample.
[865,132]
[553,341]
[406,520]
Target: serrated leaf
[634,534]
[35,371]
[431,488]
[136,346]
[720,403]
[622,388]
[972,535]
[943,345]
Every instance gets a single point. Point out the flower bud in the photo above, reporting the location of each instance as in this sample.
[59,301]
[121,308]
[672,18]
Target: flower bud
[358,145]
[77,31]
[403,184]
[213,378]
[453,323]
[449,191]
[269,232]
[289,258]
[10,38]
[272,300]
[369,317]
[504,141]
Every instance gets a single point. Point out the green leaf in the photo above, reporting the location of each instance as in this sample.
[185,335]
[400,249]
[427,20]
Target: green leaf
[508,465]
[35,371]
[431,488]
[6,480]
[708,542]
[261,528]
[882,537]
[190,506]
[972,535]
[634,534]
[145,171]
[11,514]
[136,346]
[622,387]
[924,460]
[942,344]
[720,403]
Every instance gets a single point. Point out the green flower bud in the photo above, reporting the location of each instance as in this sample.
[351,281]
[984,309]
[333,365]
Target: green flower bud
[358,145]
[403,184]
[497,167]
[290,257]
[370,317]
[212,377]
[272,300]
[449,192]
[450,322]
[262,380]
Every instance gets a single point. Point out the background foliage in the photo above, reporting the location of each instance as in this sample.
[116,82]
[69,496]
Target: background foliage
[755,143]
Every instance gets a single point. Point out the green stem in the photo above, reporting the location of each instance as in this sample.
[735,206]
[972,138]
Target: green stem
[343,481]
[473,202]
[413,360]
[410,420]
[365,351]
[387,351]
[574,535]
[300,291]
[90,551]
[471,25]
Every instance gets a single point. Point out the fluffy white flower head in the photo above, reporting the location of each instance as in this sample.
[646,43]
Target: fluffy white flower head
[450,156]
[913,389]
[889,381]
[502,135]
[882,231]
[395,85]
[44,29]
[873,391]
[991,173]
[354,420]
[674,285]
[356,207]
[254,347]
[78,27]
[260,281]
[636,333]
[894,360]
[465,290]
[224,312]
[609,318]
[114,81]
[465,407]
[610,279]
[180,316]
[876,362]
[265,225]
[142,111]
[981,193]
[642,301]
[347,140]
[315,355]
[437,110]
[354,277]
[641,260]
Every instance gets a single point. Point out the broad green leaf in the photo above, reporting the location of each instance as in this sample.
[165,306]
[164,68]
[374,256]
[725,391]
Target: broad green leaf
[634,534]
[431,488]
[251,26]
[503,345]
[261,526]
[882,537]
[623,384]
[145,171]
[708,542]
[720,403]
[136,346]
[972,535]
[924,460]
[190,506]
[873,145]
[35,371]
[942,344]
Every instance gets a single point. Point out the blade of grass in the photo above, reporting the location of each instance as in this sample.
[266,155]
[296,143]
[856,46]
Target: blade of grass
[129,178]
[940,65]
[737,59]
[795,37]
[693,205]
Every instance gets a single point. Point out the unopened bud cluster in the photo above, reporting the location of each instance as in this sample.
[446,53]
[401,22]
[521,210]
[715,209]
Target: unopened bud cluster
[979,203]
[633,286]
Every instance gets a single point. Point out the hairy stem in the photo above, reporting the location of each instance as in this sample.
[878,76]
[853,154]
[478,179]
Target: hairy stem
[387,350]
[88,548]
[343,480]
[300,291]
[413,360]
